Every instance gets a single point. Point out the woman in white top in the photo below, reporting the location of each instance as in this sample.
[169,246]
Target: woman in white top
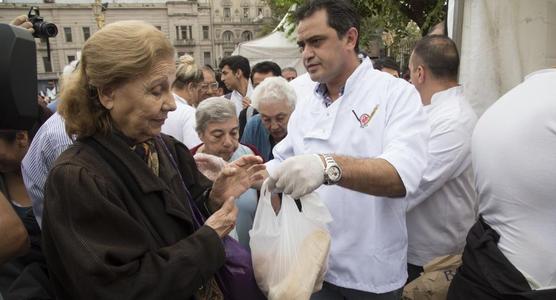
[181,122]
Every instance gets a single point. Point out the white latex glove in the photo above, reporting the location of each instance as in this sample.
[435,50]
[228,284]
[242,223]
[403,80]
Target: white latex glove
[297,176]
[209,165]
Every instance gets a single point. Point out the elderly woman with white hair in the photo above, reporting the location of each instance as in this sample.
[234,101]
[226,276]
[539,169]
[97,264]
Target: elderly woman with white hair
[275,101]
[218,129]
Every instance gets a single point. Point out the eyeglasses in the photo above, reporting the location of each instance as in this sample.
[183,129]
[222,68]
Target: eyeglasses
[212,86]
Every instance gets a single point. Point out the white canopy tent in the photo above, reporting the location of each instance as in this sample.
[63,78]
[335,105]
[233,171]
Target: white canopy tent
[276,47]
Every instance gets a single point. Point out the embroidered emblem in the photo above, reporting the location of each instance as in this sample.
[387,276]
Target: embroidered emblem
[364,119]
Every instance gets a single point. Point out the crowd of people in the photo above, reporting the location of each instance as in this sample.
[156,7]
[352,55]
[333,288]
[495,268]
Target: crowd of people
[128,186]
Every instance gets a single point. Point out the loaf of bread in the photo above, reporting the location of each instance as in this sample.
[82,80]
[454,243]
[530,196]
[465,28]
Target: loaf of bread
[306,275]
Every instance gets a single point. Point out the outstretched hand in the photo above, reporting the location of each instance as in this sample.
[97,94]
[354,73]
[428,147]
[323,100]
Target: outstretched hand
[224,219]
[235,179]
[298,176]
[209,165]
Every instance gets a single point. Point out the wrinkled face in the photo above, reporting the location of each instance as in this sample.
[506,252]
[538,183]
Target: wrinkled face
[323,52]
[259,77]
[230,79]
[209,86]
[139,107]
[221,139]
[289,75]
[12,153]
[275,116]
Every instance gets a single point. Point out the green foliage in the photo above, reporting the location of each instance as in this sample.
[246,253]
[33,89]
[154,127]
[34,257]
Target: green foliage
[396,24]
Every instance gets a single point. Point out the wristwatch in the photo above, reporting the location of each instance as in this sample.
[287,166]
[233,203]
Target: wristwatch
[332,171]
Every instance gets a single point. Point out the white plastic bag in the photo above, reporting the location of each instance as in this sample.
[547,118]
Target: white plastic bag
[290,250]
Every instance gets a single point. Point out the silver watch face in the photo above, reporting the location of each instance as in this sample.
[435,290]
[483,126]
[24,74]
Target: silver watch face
[334,173]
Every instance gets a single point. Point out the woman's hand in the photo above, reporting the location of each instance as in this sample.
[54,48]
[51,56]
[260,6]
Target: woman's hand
[209,165]
[224,219]
[235,179]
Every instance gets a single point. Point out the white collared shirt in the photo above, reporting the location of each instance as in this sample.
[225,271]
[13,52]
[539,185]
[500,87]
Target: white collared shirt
[514,162]
[369,238]
[181,123]
[237,98]
[444,206]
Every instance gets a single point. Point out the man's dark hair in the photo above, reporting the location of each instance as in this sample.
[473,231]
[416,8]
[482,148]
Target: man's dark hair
[265,67]
[236,62]
[341,15]
[386,62]
[440,55]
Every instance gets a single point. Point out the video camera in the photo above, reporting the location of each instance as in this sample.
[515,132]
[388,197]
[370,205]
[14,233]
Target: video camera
[18,78]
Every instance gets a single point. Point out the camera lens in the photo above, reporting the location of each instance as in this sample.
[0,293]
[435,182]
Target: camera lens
[48,29]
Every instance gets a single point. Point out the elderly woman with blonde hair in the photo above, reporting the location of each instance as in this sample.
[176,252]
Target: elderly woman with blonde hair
[122,202]
[186,89]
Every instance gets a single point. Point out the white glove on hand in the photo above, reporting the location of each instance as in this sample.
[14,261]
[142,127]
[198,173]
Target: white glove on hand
[298,176]
[209,165]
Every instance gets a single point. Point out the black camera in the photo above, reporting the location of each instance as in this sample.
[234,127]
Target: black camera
[42,29]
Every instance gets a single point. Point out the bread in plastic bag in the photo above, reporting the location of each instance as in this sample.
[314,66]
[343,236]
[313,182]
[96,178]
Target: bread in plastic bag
[290,250]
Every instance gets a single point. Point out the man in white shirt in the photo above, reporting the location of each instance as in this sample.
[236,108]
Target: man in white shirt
[235,75]
[363,134]
[443,208]
[511,250]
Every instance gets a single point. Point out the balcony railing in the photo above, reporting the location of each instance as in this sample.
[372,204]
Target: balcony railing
[190,42]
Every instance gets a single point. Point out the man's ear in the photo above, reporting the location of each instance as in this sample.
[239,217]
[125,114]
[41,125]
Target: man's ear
[238,73]
[106,97]
[421,74]
[351,37]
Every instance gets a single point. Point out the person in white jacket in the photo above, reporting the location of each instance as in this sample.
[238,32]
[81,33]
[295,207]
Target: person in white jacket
[444,207]
[360,140]
[186,89]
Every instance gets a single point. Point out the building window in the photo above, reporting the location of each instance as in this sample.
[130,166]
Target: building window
[228,36]
[184,32]
[246,36]
[246,12]
[181,53]
[260,12]
[47,64]
[67,33]
[227,53]
[71,58]
[227,12]
[86,33]
[206,58]
[206,35]
[159,27]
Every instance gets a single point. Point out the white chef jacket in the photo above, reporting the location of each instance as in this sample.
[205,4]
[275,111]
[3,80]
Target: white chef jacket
[444,206]
[514,161]
[237,98]
[369,238]
[181,123]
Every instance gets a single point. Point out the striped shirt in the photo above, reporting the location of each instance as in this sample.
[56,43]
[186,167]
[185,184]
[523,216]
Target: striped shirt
[49,142]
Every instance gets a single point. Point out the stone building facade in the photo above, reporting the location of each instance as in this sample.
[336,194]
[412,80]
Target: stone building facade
[206,29]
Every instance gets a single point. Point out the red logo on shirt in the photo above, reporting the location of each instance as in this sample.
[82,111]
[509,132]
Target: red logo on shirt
[364,119]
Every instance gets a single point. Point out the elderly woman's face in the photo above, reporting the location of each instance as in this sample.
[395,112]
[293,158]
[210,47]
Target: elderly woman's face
[221,139]
[140,107]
